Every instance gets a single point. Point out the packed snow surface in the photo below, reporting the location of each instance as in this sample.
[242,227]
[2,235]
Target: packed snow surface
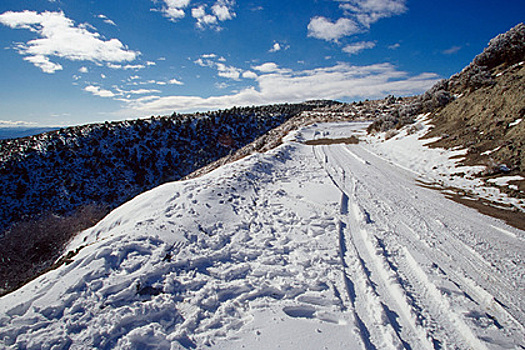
[304,247]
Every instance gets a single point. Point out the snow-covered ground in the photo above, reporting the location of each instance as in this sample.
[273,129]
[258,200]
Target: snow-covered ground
[440,167]
[309,247]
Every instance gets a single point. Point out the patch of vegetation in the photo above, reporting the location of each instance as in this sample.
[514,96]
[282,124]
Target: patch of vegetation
[32,247]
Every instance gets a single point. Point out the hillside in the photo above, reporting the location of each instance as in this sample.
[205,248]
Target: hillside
[487,110]
[480,111]
[58,183]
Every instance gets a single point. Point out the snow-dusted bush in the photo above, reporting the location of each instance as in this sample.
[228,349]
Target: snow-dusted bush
[402,115]
[471,78]
[508,48]
[438,96]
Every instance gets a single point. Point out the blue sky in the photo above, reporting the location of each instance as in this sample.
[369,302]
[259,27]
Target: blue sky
[66,62]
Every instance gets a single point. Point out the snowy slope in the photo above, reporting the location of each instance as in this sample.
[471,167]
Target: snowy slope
[302,247]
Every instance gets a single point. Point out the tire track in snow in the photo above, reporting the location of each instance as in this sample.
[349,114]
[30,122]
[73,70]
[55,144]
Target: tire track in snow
[388,331]
[349,285]
[422,310]
[442,244]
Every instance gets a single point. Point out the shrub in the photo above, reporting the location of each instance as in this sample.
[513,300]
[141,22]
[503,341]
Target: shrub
[508,48]
[29,248]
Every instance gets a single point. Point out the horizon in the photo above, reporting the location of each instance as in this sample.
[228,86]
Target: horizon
[145,58]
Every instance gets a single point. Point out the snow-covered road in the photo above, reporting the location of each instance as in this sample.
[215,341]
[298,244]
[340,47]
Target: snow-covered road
[306,247]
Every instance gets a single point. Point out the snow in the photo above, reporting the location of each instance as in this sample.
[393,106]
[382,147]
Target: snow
[504,180]
[516,122]
[309,247]
[436,166]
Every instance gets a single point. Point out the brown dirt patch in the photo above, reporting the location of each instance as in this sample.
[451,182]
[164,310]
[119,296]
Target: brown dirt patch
[352,140]
[510,215]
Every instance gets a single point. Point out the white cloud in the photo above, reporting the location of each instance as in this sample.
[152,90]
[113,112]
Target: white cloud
[322,28]
[359,15]
[44,63]
[223,70]
[208,14]
[59,37]
[394,46]
[370,11]
[141,91]
[126,67]
[83,70]
[174,9]
[16,124]
[270,67]
[175,82]
[98,91]
[284,85]
[221,10]
[249,75]
[355,48]
[221,86]
[203,19]
[452,50]
[106,20]
[228,71]
[276,47]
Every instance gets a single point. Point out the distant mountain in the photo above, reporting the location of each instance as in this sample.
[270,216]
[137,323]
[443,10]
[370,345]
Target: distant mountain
[18,132]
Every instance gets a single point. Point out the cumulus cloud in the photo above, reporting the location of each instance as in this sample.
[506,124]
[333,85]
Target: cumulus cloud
[175,82]
[223,70]
[60,37]
[278,47]
[270,67]
[359,15]
[208,14]
[83,70]
[322,28]
[355,48]
[203,19]
[98,91]
[279,85]
[174,9]
[221,10]
[249,75]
